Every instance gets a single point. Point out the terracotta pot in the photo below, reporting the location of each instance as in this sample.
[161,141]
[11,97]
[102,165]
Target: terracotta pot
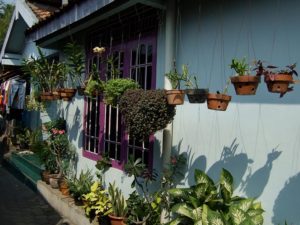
[63,186]
[197,95]
[218,101]
[116,220]
[53,180]
[45,176]
[56,93]
[278,83]
[245,85]
[175,97]
[47,96]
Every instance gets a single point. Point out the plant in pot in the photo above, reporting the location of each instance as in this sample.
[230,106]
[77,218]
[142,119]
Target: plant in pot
[45,74]
[75,65]
[194,93]
[103,164]
[208,203]
[278,81]
[94,86]
[244,84]
[145,112]
[175,96]
[80,186]
[96,202]
[115,88]
[118,205]
[219,101]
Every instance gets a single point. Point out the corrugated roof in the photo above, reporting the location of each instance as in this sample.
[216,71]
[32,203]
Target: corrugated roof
[42,10]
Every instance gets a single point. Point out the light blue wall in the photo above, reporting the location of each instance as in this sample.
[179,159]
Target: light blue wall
[258,137]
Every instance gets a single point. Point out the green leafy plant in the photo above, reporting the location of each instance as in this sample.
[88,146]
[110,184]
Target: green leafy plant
[207,203]
[81,185]
[145,112]
[23,138]
[115,88]
[175,77]
[240,66]
[93,85]
[118,202]
[96,201]
[58,123]
[75,63]
[45,74]
[42,150]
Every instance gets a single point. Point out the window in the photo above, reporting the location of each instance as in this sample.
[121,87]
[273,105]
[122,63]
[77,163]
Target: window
[104,125]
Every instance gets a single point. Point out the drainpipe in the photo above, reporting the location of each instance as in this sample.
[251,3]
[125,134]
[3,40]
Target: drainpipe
[170,42]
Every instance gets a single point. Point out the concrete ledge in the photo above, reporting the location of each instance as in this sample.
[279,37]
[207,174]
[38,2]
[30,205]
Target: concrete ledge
[64,205]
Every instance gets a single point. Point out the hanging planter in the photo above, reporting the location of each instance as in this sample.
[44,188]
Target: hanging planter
[277,81]
[197,95]
[216,101]
[244,84]
[47,96]
[67,94]
[175,97]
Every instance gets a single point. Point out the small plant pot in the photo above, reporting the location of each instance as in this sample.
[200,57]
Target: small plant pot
[218,101]
[45,176]
[278,83]
[53,180]
[116,220]
[175,97]
[63,186]
[47,96]
[245,85]
[197,95]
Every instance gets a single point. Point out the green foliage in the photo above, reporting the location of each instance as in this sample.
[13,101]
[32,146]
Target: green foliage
[104,163]
[45,74]
[240,66]
[81,185]
[206,203]
[175,78]
[6,12]
[23,138]
[115,88]
[118,202]
[145,112]
[96,201]
[32,103]
[58,123]
[75,62]
[42,150]
[93,85]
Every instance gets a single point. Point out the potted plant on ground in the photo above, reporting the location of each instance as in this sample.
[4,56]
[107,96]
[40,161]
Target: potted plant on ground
[207,203]
[219,101]
[175,96]
[118,205]
[278,81]
[145,112]
[244,84]
[194,93]
[80,186]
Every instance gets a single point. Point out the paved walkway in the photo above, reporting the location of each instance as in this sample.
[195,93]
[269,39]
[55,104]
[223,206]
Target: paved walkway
[20,205]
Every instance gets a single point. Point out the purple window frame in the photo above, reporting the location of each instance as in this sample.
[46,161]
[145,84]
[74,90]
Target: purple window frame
[130,45]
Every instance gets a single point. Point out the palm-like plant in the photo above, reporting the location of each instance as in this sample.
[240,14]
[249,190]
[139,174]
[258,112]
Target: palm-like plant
[206,203]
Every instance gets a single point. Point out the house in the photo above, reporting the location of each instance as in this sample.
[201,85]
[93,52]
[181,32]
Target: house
[257,138]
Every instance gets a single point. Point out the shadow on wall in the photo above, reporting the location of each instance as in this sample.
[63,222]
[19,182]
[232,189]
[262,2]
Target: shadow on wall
[255,183]
[236,163]
[287,204]
[76,125]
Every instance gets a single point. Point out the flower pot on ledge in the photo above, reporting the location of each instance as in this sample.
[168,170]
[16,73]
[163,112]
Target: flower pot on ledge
[175,97]
[47,96]
[246,84]
[116,220]
[217,101]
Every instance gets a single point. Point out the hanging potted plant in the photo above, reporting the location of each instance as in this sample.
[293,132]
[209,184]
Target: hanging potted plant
[219,101]
[175,96]
[145,112]
[278,81]
[45,74]
[118,205]
[194,93]
[75,65]
[244,84]
[94,86]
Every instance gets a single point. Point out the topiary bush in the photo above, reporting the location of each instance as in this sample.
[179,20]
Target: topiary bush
[145,112]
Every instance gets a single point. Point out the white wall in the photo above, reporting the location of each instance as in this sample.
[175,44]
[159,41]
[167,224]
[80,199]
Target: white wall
[258,137]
